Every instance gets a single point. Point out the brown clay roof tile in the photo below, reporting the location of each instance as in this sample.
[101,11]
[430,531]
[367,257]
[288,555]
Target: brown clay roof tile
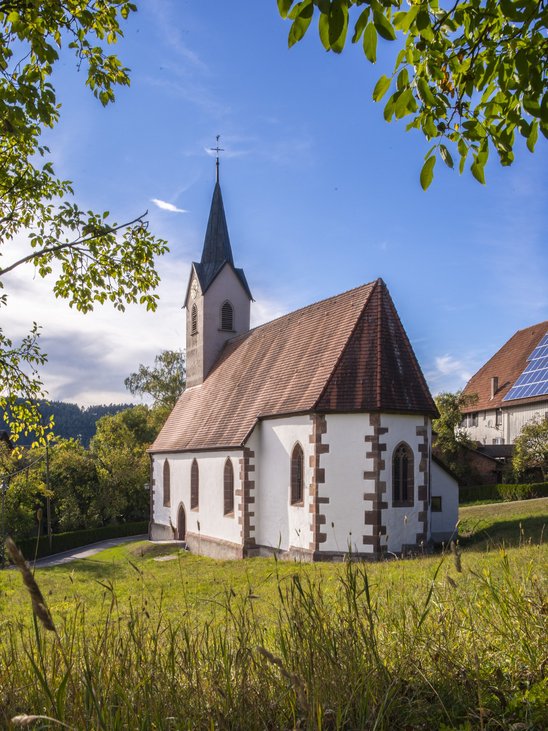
[345,353]
[506,365]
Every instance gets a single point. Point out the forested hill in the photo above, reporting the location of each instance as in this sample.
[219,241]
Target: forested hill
[73,421]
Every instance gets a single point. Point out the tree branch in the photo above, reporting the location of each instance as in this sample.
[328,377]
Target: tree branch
[69,244]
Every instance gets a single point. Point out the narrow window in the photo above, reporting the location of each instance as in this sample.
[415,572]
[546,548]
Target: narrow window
[297,475]
[194,485]
[436,503]
[167,484]
[498,417]
[227,317]
[228,488]
[194,320]
[402,476]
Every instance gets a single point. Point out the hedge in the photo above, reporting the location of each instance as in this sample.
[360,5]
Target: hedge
[66,541]
[503,492]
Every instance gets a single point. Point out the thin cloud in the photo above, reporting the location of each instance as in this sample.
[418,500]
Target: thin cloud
[165,206]
[448,373]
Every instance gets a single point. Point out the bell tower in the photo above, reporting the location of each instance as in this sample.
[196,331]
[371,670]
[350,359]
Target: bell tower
[218,297]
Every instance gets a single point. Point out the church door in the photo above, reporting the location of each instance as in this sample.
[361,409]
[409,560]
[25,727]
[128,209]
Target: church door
[181,524]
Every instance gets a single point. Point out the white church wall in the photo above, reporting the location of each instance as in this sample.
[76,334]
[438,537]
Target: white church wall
[278,524]
[344,485]
[402,523]
[444,490]
[208,520]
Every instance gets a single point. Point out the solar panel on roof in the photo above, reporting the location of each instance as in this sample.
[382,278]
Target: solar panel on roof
[533,381]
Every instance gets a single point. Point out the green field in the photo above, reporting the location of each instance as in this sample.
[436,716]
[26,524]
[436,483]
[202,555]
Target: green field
[442,642]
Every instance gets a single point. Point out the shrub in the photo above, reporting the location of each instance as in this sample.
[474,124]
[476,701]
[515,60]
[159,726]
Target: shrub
[503,492]
[66,541]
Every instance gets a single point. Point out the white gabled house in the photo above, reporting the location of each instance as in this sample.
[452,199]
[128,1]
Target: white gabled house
[309,435]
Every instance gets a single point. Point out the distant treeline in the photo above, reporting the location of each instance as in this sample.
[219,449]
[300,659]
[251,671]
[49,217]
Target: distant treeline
[72,421]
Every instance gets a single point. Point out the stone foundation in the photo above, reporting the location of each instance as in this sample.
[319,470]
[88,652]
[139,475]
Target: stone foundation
[160,532]
[213,547]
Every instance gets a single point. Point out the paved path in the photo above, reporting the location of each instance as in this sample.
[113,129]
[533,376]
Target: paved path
[84,551]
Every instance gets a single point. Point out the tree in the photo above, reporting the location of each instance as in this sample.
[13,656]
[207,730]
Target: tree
[450,439]
[469,76]
[119,450]
[91,258]
[531,449]
[164,383]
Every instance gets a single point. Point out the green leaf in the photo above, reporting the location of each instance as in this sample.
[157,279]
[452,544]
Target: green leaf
[381,87]
[532,106]
[403,79]
[301,22]
[405,19]
[427,172]
[284,6]
[425,92]
[338,26]
[478,171]
[383,26]
[360,25]
[404,103]
[446,156]
[370,43]
[533,136]
[323,26]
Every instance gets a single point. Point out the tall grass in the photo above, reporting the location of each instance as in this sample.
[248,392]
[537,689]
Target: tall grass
[467,653]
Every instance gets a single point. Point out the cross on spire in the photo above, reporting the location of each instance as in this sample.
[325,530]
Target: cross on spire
[217,150]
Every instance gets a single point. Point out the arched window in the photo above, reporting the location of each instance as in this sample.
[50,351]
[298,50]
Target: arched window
[228,488]
[194,320]
[227,316]
[194,485]
[297,475]
[402,475]
[167,484]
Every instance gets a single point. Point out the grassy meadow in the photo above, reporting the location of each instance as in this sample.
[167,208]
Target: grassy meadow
[151,637]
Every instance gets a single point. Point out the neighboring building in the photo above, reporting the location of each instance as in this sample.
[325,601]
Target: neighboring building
[511,389]
[307,436]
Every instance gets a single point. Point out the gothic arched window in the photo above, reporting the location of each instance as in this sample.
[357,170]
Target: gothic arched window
[194,320]
[297,475]
[227,316]
[402,475]
[228,487]
[194,485]
[167,484]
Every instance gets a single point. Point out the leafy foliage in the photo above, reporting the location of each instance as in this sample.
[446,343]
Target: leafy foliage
[122,463]
[71,420]
[165,382]
[450,439]
[469,75]
[91,258]
[531,449]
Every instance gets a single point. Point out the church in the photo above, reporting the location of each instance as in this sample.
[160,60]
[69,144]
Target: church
[306,437]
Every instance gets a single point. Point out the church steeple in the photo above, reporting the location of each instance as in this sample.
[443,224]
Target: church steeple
[217,250]
[218,297]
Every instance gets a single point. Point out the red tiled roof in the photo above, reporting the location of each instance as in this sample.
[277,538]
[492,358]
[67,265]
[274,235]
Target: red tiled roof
[345,353]
[507,365]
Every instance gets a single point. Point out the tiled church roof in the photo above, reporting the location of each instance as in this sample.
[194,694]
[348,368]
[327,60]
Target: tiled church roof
[217,250]
[506,365]
[347,353]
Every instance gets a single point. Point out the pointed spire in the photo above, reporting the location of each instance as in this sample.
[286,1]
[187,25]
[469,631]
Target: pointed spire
[217,249]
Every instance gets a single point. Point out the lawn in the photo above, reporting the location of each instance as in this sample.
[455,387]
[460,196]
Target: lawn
[153,637]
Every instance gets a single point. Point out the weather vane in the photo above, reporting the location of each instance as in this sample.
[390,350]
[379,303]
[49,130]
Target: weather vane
[217,150]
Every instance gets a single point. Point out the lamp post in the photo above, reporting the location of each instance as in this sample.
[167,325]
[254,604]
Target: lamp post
[3,490]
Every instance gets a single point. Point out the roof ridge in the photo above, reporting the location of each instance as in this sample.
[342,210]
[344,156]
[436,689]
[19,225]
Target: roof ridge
[302,309]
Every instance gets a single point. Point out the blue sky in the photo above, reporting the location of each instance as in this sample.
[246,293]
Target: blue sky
[321,195]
